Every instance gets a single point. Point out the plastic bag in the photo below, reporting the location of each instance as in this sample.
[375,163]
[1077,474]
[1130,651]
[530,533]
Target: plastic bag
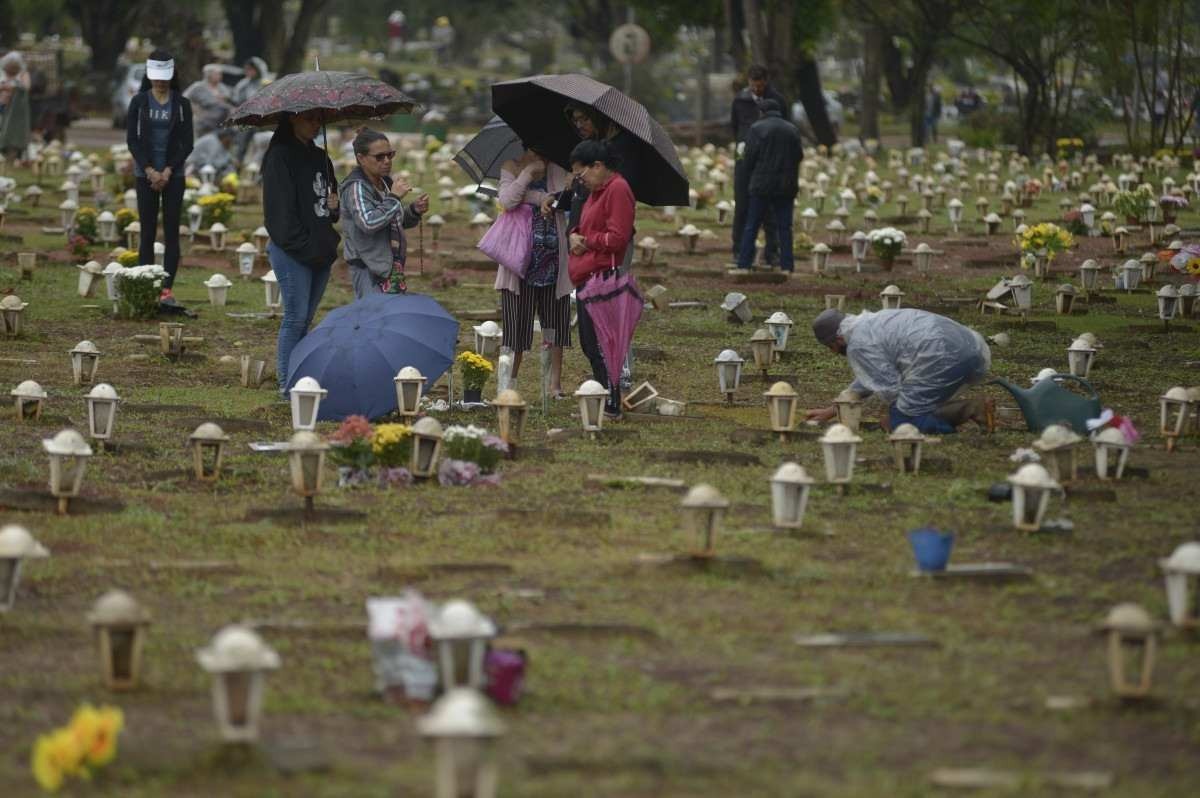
[509,240]
[401,649]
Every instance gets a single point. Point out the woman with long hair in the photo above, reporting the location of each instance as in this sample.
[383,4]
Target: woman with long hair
[158,130]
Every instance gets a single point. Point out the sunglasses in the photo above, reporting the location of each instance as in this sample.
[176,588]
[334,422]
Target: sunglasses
[380,157]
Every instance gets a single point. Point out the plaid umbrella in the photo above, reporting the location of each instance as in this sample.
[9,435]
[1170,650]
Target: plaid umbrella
[338,95]
[483,155]
[615,305]
[534,108]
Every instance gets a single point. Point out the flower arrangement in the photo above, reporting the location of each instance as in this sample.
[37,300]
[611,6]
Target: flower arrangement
[128,258]
[1068,147]
[139,287]
[1045,239]
[802,242]
[874,196]
[79,246]
[85,223]
[391,444]
[87,743]
[124,217]
[1133,204]
[475,370]
[1073,221]
[352,444]
[229,183]
[886,242]
[1172,202]
[216,208]
[473,444]
[1031,188]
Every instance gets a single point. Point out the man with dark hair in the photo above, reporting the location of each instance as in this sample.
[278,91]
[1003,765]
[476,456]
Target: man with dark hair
[746,110]
[772,161]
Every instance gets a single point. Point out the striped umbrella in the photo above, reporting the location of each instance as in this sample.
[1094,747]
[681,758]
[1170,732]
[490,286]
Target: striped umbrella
[534,108]
[483,155]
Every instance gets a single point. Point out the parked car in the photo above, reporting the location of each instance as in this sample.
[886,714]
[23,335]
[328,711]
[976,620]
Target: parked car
[129,81]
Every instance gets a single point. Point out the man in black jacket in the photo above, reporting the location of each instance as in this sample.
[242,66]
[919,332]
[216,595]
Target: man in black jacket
[745,111]
[772,158]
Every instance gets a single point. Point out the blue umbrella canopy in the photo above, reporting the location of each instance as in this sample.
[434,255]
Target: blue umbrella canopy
[357,349]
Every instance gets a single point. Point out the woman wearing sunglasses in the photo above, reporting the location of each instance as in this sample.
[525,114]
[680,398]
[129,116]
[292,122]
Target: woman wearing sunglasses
[375,218]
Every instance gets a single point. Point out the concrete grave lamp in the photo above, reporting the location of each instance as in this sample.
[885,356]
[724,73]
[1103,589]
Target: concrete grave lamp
[271,292]
[463,727]
[12,312]
[762,345]
[859,243]
[306,461]
[410,383]
[1132,639]
[68,454]
[779,324]
[1089,276]
[790,486]
[703,509]
[246,253]
[1182,573]
[487,339]
[461,634]
[218,285]
[102,412]
[119,624]
[1058,446]
[170,338]
[907,442]
[16,546]
[782,404]
[1080,355]
[89,273]
[820,257]
[839,446]
[306,396]
[737,305]
[208,444]
[85,359]
[1112,453]
[849,406]
[28,398]
[891,297]
[591,396]
[729,372]
[238,660]
[426,447]
[511,412]
[1174,407]
[1032,487]
[1064,299]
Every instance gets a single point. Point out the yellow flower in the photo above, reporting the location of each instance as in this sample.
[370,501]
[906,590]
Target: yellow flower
[1193,266]
[55,756]
[230,181]
[388,435]
[97,731]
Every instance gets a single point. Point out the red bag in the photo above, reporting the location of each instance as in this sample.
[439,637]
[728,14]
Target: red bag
[509,241]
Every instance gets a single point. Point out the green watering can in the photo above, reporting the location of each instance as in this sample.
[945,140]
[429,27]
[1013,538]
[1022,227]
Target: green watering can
[1048,403]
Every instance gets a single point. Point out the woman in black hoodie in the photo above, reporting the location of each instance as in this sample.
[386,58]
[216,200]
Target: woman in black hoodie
[158,130]
[300,203]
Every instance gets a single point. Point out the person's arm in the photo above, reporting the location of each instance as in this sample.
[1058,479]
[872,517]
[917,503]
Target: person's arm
[618,224]
[280,214]
[185,132]
[513,185]
[733,117]
[367,213]
[874,373]
[132,139]
[412,216]
[750,156]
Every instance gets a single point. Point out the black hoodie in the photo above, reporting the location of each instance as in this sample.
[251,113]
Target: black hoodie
[296,185]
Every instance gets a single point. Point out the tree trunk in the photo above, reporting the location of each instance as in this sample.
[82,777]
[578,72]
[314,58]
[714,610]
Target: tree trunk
[759,41]
[735,23]
[898,80]
[808,84]
[273,29]
[868,127]
[918,77]
[243,26]
[105,25]
[297,46]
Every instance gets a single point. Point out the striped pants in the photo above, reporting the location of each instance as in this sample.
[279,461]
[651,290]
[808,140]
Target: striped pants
[516,315]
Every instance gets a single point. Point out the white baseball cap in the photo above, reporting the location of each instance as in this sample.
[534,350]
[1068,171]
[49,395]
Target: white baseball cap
[160,70]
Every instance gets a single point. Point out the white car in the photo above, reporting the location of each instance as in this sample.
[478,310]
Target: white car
[833,107]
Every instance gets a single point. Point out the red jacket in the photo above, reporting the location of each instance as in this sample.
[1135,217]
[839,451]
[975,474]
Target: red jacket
[606,223]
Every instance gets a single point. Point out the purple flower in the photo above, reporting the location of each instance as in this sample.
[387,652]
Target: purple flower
[494,442]
[457,472]
[394,477]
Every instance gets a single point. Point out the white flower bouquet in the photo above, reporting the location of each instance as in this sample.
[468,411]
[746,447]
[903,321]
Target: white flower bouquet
[138,288]
[887,242]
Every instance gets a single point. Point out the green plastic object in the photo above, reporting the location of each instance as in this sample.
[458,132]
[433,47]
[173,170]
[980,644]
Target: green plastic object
[1049,403]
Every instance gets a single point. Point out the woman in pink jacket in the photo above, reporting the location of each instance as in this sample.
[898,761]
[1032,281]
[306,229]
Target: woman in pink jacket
[546,286]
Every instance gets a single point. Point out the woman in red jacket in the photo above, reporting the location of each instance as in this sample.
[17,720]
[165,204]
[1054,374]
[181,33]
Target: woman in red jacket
[598,244]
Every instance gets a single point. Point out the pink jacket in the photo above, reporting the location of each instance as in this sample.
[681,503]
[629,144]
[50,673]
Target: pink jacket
[514,190]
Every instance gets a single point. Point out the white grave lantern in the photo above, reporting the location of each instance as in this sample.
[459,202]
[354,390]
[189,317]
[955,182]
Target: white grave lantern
[160,253]
[1168,302]
[1129,275]
[762,345]
[111,272]
[511,412]
[790,487]
[891,297]
[1182,573]
[133,235]
[67,210]
[463,727]
[703,508]
[480,222]
[1058,446]
[34,195]
[487,338]
[102,411]
[779,324]
[436,222]
[1132,634]
[591,396]
[68,454]
[849,409]
[119,623]
[837,232]
[723,208]
[409,382]
[737,305]
[208,444]
[130,199]
[12,311]
[85,359]
[71,189]
[782,403]
[1089,275]
[1031,490]
[16,546]
[992,223]
[923,257]
[1174,407]
[106,227]
[1080,355]
[1022,290]
[729,372]
[907,442]
[954,209]
[808,217]
[271,291]
[26,262]
[306,461]
[246,254]
[460,634]
[820,256]
[1112,453]
[1087,213]
[195,216]
[690,234]
[28,398]
[1187,299]
[218,289]
[426,447]
[208,174]
[216,236]
[89,273]
[261,239]
[306,396]
[237,658]
[647,248]
[1064,299]
[839,446]
[1149,262]
[858,248]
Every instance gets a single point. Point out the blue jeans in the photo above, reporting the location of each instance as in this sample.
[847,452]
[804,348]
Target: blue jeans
[301,289]
[780,208]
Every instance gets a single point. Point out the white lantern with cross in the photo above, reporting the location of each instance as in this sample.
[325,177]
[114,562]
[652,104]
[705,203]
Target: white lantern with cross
[68,453]
[237,658]
[820,256]
[923,257]
[216,236]
[954,209]
[1132,639]
[779,324]
[409,382]
[119,624]
[208,444]
[246,255]
[16,546]
[1168,302]
[461,634]
[102,411]
[306,461]
[195,216]
[839,446]
[106,227]
[1032,487]
[463,727]
[790,486]
[1112,453]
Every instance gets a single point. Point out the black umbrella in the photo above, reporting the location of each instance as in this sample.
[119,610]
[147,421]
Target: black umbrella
[534,108]
[483,155]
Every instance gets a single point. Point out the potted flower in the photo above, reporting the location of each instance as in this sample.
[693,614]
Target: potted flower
[887,242]
[351,450]
[216,208]
[125,216]
[391,448]
[128,258]
[874,196]
[138,291]
[469,455]
[1132,204]
[1171,204]
[1029,192]
[475,371]
[85,223]
[1040,243]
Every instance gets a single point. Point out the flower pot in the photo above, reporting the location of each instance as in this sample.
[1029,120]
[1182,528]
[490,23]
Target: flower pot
[931,548]
[886,264]
[472,394]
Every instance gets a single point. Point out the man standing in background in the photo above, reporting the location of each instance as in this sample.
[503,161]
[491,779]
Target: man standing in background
[745,111]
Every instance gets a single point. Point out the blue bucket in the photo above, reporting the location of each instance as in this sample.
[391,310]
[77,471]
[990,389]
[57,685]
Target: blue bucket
[931,548]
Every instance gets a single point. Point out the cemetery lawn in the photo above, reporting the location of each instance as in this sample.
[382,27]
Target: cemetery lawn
[641,676]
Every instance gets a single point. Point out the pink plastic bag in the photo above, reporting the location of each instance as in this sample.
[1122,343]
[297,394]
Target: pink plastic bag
[510,238]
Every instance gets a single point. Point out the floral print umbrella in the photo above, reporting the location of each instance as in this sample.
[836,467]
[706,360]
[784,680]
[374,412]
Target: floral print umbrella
[338,95]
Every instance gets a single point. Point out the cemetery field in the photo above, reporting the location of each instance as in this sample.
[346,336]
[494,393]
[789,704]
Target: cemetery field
[648,675]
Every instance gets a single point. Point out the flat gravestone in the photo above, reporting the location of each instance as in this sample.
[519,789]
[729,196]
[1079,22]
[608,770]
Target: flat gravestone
[774,695]
[40,501]
[717,458]
[866,640]
[986,779]
[978,571]
[608,481]
[593,629]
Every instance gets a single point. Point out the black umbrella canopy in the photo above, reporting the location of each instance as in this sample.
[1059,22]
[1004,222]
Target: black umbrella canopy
[484,154]
[338,95]
[534,107]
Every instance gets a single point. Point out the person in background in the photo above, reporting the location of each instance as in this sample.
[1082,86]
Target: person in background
[933,113]
[211,99]
[599,244]
[772,158]
[158,131]
[744,112]
[214,149]
[546,286]
[14,105]
[254,78]
[375,217]
[300,204]
[916,362]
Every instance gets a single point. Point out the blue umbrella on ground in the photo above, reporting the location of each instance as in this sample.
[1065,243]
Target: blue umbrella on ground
[357,349]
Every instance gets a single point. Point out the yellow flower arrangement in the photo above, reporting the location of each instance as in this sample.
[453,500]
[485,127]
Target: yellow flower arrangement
[1045,238]
[216,208]
[89,741]
[475,370]
[128,258]
[391,444]
[124,217]
[229,182]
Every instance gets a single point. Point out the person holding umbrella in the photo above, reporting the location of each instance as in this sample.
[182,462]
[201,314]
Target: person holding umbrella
[300,203]
[597,249]
[376,248]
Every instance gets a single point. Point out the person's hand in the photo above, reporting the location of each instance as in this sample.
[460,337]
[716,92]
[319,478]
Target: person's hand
[400,187]
[547,203]
[820,413]
[332,201]
[578,244]
[536,169]
[166,174]
[152,175]
[422,204]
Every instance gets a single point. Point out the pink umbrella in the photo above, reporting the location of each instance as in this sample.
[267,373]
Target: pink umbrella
[614,304]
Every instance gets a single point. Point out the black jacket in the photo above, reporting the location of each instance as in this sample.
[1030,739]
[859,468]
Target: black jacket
[179,140]
[296,185]
[745,110]
[773,156]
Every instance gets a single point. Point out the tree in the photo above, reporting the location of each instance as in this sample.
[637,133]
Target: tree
[105,25]
[260,27]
